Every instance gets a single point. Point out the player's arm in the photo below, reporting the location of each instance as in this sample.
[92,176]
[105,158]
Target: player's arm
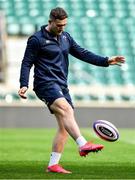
[30,56]
[90,57]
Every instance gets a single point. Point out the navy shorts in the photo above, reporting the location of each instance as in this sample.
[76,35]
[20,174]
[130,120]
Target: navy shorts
[52,91]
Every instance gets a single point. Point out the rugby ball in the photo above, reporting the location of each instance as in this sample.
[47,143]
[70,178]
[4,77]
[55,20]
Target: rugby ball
[106,130]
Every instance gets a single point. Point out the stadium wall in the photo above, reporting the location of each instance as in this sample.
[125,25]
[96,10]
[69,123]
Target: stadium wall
[39,117]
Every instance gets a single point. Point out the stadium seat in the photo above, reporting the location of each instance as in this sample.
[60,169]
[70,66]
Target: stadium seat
[15,96]
[13,29]
[2,97]
[27,29]
[109,97]
[31,96]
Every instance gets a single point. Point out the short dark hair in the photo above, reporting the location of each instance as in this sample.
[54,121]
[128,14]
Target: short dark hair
[58,13]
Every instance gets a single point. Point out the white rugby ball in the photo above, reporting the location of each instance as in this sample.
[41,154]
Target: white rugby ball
[106,130]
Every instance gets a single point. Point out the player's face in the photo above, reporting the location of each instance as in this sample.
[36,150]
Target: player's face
[57,26]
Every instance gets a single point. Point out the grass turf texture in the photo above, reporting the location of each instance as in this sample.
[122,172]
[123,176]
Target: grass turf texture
[24,154]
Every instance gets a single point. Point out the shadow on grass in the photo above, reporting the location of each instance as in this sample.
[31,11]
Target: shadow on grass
[36,170]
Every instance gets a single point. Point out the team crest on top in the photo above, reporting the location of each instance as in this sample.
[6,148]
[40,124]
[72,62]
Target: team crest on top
[64,37]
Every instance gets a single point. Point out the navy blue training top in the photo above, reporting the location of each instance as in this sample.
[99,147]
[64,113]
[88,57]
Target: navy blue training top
[50,58]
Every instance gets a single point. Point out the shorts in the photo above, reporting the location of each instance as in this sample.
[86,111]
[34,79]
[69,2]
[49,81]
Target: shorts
[52,91]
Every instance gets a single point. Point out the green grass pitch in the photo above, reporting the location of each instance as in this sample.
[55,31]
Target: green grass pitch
[24,154]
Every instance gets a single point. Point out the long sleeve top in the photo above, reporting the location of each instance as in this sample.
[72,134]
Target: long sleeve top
[50,58]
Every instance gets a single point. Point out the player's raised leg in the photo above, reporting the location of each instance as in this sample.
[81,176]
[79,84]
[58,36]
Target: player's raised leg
[65,114]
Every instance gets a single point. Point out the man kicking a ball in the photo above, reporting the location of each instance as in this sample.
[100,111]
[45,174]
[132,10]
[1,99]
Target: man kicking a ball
[48,51]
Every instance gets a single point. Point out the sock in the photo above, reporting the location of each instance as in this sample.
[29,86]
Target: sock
[54,159]
[81,141]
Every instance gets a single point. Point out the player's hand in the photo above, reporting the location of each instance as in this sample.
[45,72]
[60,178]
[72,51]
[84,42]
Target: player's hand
[116,60]
[22,92]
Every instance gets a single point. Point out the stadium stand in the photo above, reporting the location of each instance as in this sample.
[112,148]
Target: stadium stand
[106,27]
